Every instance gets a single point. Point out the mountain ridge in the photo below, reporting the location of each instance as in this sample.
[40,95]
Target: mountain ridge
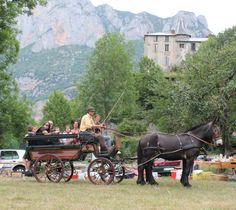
[79,22]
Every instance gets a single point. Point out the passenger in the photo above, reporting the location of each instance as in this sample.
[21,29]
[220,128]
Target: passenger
[107,138]
[31,131]
[76,130]
[44,130]
[97,121]
[67,131]
[87,125]
[53,130]
[56,131]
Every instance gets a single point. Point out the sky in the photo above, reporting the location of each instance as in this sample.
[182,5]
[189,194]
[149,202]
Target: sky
[220,14]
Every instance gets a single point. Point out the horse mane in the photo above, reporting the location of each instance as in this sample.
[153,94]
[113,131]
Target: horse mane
[195,127]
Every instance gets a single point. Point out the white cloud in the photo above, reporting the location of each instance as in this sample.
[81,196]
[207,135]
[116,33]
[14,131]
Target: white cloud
[219,14]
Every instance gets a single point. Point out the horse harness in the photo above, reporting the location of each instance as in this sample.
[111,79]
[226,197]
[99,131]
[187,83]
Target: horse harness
[181,147]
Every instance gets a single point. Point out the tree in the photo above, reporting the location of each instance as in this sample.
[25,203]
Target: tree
[108,80]
[208,88]
[15,114]
[57,109]
[152,89]
[9,10]
[14,111]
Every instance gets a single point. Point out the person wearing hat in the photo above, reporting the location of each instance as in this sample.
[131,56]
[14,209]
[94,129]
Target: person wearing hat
[87,125]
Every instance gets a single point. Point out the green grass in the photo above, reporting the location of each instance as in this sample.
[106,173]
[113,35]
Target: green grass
[26,193]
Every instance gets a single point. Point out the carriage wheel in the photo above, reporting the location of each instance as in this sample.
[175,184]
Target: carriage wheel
[48,167]
[68,171]
[119,173]
[101,171]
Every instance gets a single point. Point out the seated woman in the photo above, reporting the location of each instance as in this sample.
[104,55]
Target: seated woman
[44,130]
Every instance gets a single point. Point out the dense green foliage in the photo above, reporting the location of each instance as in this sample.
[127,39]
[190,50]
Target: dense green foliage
[129,147]
[9,10]
[57,109]
[132,127]
[108,80]
[153,92]
[14,112]
[207,88]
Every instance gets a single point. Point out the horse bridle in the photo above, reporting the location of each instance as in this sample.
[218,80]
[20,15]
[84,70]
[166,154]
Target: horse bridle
[199,139]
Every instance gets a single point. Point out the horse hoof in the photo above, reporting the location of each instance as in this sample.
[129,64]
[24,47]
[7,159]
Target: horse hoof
[153,183]
[188,185]
[141,182]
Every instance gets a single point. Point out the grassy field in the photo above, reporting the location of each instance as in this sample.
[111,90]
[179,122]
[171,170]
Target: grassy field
[25,193]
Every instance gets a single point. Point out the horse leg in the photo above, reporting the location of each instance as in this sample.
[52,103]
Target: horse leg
[141,165]
[183,176]
[141,168]
[187,166]
[149,177]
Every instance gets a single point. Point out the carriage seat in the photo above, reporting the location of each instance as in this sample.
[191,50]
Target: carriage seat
[88,142]
[86,138]
[47,139]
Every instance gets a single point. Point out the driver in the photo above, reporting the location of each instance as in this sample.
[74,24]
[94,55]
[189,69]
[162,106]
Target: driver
[87,125]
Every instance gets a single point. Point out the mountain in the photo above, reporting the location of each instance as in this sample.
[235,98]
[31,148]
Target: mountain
[78,22]
[57,40]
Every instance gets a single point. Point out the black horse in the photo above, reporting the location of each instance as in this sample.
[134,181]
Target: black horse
[185,146]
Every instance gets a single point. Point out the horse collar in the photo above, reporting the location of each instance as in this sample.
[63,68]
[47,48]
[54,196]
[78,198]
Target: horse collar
[190,134]
[180,143]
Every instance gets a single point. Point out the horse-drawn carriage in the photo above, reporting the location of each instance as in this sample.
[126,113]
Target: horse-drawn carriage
[53,161]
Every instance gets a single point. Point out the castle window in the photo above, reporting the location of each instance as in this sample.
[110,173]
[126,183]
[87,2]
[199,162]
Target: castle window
[193,47]
[181,45]
[155,38]
[166,47]
[156,47]
[166,38]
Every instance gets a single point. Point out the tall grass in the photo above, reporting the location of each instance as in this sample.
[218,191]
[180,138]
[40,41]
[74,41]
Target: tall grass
[26,193]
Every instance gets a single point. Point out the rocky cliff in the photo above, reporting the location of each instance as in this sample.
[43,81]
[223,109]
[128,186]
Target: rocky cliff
[57,40]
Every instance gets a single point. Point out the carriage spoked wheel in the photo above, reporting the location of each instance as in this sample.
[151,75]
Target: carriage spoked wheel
[48,167]
[101,171]
[68,171]
[119,173]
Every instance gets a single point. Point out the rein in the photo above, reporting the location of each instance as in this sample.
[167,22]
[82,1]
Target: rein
[164,153]
[121,134]
[143,133]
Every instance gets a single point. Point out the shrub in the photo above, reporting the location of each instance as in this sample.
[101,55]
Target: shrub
[129,147]
[131,127]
